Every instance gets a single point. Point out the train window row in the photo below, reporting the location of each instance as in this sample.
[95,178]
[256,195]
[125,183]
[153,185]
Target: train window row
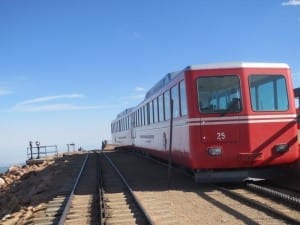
[157,110]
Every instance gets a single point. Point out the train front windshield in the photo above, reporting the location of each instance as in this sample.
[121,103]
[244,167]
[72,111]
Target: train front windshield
[219,94]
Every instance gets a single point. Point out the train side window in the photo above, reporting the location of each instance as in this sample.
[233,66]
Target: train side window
[155,113]
[145,114]
[167,105]
[175,98]
[138,117]
[161,108]
[268,93]
[142,116]
[183,106]
[150,112]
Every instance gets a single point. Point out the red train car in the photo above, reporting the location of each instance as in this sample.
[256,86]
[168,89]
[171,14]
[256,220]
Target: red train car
[231,121]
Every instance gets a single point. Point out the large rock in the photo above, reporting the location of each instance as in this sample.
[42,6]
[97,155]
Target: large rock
[2,182]
[15,170]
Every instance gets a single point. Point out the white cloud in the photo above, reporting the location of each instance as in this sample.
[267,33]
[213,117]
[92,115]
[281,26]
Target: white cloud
[138,94]
[50,98]
[42,104]
[140,89]
[56,107]
[291,3]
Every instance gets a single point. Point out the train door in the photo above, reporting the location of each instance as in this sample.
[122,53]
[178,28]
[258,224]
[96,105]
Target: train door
[219,99]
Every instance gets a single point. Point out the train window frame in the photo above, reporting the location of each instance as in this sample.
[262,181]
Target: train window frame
[256,101]
[176,99]
[150,112]
[167,108]
[146,114]
[161,114]
[155,110]
[226,100]
[143,116]
[141,119]
[182,98]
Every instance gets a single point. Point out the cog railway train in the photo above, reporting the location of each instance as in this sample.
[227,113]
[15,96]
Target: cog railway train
[230,121]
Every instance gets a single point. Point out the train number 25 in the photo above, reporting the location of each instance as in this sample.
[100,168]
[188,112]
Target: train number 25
[221,136]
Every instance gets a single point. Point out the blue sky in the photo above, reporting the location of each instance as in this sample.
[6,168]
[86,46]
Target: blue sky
[67,67]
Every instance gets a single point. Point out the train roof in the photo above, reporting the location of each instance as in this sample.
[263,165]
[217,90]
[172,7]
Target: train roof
[238,65]
[170,76]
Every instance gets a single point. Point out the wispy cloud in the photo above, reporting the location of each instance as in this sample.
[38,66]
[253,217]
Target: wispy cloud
[291,3]
[51,98]
[48,104]
[140,89]
[137,95]
[56,107]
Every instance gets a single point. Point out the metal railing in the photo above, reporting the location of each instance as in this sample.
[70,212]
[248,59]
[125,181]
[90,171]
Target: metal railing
[42,152]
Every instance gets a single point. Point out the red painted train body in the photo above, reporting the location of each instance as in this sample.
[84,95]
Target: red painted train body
[231,121]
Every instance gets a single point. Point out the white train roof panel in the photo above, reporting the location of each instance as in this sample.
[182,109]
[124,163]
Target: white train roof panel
[238,65]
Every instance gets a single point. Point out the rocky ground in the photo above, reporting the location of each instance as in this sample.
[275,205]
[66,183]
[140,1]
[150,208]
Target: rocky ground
[26,189]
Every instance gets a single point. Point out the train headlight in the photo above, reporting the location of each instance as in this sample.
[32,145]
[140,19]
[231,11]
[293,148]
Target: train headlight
[214,151]
[281,148]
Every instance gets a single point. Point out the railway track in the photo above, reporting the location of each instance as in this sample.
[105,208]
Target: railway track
[284,195]
[121,205]
[156,210]
[78,203]
[107,198]
[275,203]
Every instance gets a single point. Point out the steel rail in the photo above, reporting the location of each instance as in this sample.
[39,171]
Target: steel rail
[101,193]
[257,205]
[273,193]
[64,214]
[135,197]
